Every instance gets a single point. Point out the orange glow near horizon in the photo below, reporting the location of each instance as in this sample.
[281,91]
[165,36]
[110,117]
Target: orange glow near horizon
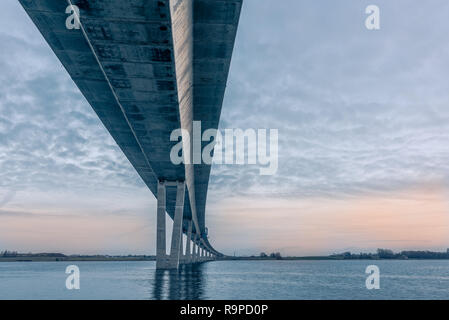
[417,218]
[410,219]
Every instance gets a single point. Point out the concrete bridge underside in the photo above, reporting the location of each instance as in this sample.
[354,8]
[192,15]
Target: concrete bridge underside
[148,67]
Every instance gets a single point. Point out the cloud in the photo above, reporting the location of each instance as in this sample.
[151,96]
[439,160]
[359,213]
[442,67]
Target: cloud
[412,218]
[50,138]
[9,195]
[357,111]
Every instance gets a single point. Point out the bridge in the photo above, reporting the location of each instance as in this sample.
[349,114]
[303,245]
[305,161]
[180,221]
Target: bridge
[148,67]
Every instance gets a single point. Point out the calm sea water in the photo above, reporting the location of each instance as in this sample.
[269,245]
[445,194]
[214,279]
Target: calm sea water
[427,279]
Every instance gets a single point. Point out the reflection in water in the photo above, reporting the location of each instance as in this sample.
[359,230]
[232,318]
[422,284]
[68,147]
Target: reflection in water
[187,283]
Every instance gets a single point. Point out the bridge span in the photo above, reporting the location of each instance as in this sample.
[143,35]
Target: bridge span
[148,67]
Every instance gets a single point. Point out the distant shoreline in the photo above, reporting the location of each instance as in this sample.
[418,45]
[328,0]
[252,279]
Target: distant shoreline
[381,254]
[316,258]
[116,259]
[84,258]
[152,258]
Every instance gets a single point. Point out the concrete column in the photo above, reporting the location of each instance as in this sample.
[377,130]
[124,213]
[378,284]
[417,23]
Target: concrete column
[194,248]
[162,260]
[161,253]
[188,256]
[197,249]
[176,240]
[181,247]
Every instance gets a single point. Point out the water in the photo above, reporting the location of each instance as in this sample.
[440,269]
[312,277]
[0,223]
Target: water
[428,279]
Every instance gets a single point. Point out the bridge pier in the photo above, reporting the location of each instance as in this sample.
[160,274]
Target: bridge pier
[188,254]
[198,249]
[192,259]
[195,251]
[160,229]
[171,261]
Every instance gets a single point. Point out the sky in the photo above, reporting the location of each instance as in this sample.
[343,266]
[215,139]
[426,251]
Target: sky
[363,121]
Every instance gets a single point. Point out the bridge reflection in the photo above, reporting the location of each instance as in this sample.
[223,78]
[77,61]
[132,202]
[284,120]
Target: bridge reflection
[187,283]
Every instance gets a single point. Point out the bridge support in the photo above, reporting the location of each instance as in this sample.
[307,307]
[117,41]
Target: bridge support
[171,261]
[161,234]
[197,251]
[188,254]
[194,250]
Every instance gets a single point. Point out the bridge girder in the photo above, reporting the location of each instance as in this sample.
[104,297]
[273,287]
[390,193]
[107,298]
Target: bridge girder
[148,68]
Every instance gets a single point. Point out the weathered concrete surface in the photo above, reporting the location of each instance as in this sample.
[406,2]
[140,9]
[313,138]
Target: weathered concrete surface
[148,67]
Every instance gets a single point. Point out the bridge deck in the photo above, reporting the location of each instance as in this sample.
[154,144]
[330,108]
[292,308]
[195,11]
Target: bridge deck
[148,68]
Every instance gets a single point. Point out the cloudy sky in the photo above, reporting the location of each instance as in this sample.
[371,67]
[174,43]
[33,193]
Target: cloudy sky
[363,120]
